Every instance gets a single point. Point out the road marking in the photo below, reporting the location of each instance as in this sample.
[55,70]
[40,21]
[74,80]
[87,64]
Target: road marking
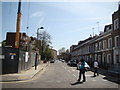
[69,71]
[74,75]
[64,67]
[73,70]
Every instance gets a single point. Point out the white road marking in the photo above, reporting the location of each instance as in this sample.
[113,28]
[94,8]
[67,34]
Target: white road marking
[73,70]
[69,71]
[64,67]
[74,75]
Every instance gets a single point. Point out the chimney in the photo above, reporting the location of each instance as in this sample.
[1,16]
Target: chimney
[119,5]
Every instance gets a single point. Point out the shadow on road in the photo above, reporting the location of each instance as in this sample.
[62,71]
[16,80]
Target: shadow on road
[76,83]
[93,76]
[117,80]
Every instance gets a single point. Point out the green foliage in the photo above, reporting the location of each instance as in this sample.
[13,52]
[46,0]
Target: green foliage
[3,43]
[64,54]
[43,43]
[48,53]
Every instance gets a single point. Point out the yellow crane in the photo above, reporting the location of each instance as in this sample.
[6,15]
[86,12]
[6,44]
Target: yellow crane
[18,25]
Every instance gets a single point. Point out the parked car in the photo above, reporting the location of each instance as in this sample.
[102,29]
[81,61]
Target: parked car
[52,61]
[72,63]
[63,61]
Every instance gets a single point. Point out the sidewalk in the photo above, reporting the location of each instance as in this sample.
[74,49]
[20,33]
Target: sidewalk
[25,75]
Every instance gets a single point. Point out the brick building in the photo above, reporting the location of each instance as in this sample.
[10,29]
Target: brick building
[25,42]
[104,47]
[54,54]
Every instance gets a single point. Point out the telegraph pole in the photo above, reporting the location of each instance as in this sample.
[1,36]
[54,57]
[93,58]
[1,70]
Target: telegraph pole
[18,26]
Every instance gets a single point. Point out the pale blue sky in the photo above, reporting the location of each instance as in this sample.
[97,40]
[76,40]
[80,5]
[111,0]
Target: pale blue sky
[66,22]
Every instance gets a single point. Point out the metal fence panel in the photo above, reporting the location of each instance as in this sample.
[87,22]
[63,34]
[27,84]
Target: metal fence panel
[10,60]
[16,60]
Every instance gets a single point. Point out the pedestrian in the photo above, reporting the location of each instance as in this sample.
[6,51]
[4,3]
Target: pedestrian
[96,68]
[82,70]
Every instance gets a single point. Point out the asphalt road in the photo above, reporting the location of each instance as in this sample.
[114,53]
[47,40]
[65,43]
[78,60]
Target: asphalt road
[60,75]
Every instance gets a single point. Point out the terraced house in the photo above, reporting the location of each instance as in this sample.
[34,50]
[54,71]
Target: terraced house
[104,47]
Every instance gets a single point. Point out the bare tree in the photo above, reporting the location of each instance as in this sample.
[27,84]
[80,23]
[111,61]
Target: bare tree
[62,50]
[45,39]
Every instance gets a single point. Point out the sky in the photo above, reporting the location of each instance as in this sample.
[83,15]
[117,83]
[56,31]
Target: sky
[66,22]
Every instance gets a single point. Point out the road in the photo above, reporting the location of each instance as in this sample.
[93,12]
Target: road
[60,75]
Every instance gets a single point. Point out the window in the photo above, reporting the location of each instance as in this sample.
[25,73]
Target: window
[104,44]
[95,56]
[116,24]
[116,41]
[99,58]
[110,43]
[96,46]
[89,48]
[109,28]
[108,58]
[100,45]
[117,58]
[103,58]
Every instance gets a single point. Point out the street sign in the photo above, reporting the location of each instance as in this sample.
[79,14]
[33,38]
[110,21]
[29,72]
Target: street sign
[12,54]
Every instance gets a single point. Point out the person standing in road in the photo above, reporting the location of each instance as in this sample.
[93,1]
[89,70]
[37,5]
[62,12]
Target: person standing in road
[82,70]
[96,68]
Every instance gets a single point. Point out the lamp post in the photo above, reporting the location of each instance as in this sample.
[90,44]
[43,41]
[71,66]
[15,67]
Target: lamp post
[93,31]
[38,34]
[37,50]
[98,27]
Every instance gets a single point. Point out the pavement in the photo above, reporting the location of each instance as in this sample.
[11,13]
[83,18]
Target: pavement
[25,75]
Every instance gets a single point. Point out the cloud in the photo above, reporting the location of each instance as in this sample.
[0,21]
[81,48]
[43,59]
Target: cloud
[41,21]
[37,14]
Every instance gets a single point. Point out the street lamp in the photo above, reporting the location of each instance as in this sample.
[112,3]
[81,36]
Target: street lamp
[38,34]
[37,50]
[93,31]
[98,27]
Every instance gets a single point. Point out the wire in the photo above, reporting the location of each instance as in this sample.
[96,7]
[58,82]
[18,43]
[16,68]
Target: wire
[10,26]
[28,17]
[10,8]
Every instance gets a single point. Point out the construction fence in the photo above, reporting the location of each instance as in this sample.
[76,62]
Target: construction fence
[15,60]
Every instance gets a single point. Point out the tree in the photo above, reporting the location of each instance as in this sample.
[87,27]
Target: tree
[62,50]
[3,43]
[48,53]
[64,54]
[44,40]
[43,45]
